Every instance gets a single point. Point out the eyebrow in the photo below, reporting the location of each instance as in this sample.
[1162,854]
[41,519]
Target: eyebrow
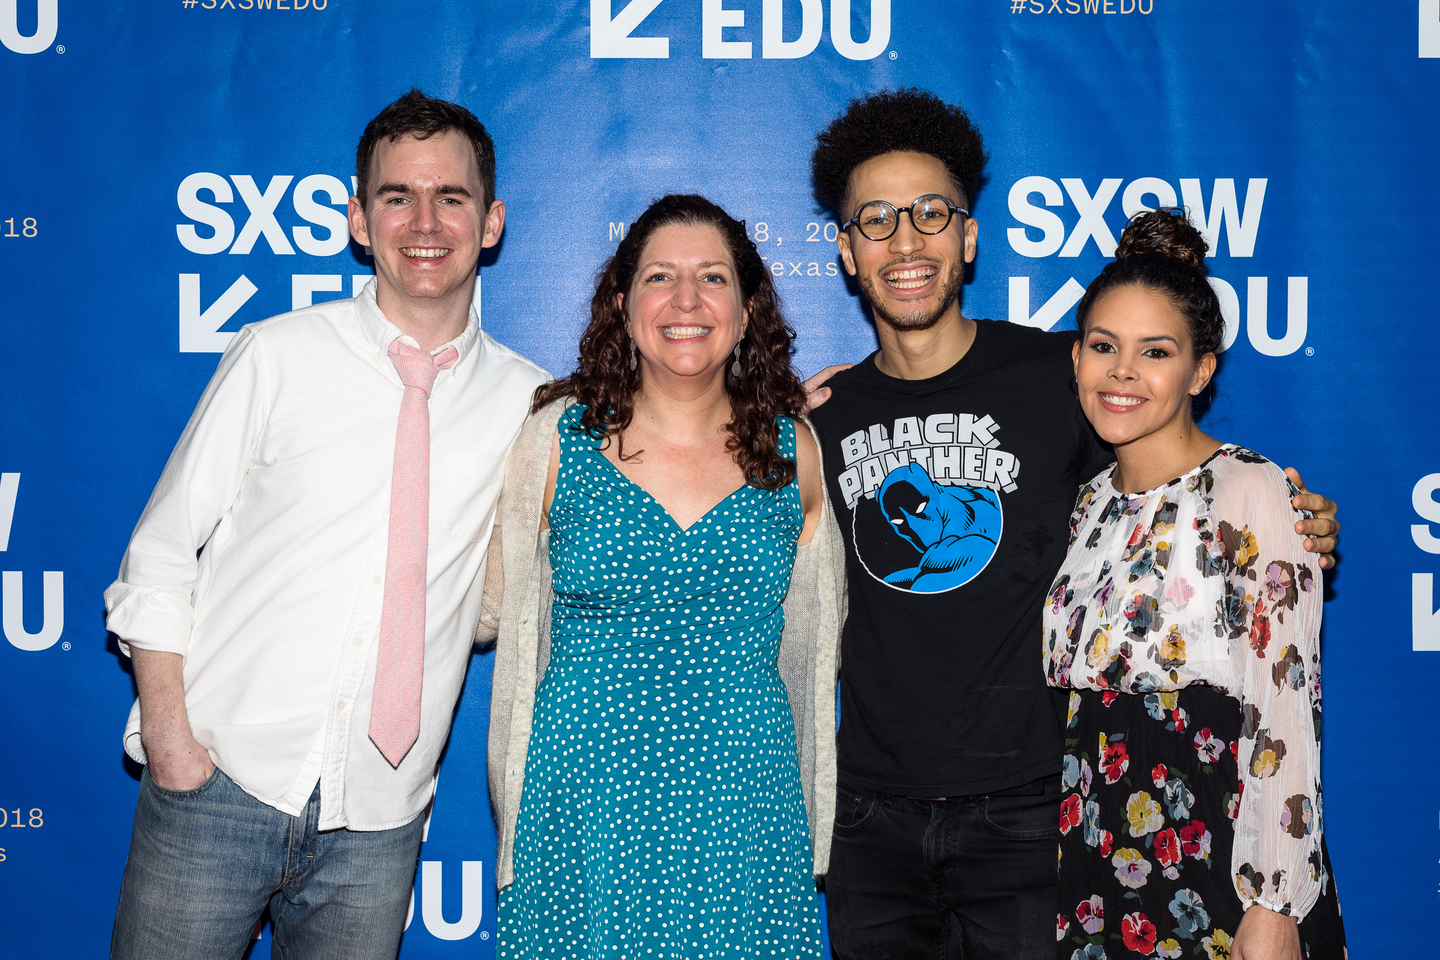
[1162,337]
[704,264]
[402,188]
[953,201]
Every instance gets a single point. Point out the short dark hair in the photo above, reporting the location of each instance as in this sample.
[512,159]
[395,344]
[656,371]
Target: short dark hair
[423,117]
[1162,251]
[604,381]
[890,120]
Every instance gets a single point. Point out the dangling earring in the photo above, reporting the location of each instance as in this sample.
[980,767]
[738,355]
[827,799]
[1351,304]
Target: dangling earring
[634,359]
[735,370]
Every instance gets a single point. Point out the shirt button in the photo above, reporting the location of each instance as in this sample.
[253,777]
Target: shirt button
[340,705]
[376,579]
[358,642]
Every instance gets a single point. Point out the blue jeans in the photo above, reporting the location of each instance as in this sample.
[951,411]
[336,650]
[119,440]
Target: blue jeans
[205,863]
[967,878]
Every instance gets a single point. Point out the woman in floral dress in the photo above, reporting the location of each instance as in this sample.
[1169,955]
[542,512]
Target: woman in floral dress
[1185,621]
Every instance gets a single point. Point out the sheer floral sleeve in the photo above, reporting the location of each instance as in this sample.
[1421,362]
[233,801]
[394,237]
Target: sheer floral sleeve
[1270,614]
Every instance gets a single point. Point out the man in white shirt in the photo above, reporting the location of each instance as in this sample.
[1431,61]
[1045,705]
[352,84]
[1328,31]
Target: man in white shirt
[301,591]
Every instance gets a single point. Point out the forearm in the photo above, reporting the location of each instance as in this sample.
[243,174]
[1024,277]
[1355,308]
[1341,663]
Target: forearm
[175,758]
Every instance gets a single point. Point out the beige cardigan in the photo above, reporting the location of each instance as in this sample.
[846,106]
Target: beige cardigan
[516,617]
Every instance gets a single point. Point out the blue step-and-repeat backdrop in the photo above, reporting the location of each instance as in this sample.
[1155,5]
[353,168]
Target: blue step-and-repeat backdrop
[174,169]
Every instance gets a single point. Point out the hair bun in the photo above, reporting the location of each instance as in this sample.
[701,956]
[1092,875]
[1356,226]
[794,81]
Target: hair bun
[1165,232]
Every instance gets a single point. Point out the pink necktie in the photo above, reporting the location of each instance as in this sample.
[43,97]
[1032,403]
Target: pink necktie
[399,671]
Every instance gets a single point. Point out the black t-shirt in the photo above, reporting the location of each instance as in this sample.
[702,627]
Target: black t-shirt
[954,496]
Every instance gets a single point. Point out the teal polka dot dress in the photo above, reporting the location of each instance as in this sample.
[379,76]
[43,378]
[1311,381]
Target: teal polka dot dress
[662,814]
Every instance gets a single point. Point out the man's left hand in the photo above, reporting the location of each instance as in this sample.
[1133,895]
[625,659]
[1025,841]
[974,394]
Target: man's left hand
[1322,531]
[815,394]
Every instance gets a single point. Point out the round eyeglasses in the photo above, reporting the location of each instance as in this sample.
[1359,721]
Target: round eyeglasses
[930,214]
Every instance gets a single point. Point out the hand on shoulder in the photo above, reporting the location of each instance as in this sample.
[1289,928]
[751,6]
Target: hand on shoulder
[1322,531]
[815,393]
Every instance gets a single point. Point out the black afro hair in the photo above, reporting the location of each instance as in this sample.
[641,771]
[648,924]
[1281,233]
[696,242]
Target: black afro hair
[909,119]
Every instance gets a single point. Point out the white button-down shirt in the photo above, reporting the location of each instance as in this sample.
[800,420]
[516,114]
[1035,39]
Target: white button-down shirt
[282,476]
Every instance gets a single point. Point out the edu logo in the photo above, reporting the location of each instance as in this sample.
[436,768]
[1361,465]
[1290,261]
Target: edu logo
[47,24]
[12,583]
[1226,213]
[610,30]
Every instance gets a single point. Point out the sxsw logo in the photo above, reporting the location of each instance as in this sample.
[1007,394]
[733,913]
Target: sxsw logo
[260,221]
[47,24]
[212,206]
[12,585]
[611,29]
[1226,214]
[1424,618]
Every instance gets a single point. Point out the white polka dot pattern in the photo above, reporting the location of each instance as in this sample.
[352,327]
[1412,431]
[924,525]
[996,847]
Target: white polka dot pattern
[662,814]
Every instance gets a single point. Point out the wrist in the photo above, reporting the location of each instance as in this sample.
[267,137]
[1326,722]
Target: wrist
[167,739]
[1259,916]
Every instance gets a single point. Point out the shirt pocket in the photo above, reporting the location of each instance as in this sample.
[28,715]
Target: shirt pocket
[469,486]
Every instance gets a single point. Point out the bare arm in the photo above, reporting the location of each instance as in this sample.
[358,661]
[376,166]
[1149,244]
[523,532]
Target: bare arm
[552,476]
[812,491]
[175,759]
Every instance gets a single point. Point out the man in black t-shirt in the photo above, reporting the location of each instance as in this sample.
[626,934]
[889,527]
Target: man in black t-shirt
[953,456]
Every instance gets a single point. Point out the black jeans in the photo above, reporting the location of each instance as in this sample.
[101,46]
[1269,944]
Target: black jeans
[967,878]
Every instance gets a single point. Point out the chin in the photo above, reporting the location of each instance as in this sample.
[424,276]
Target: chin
[1120,437]
[919,317]
[912,322]
[920,314]
[1102,422]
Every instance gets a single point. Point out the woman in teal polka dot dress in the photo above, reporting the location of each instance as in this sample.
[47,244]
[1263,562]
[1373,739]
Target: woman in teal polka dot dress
[662,812]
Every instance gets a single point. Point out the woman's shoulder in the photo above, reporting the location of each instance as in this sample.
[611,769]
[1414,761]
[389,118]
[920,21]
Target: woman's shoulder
[1235,461]
[806,437]
[548,416]
[1239,473]
[553,409]
[537,434]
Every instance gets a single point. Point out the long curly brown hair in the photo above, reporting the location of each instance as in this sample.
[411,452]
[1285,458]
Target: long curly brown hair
[767,387]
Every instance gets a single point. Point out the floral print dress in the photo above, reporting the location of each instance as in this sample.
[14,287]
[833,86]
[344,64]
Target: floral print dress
[1185,621]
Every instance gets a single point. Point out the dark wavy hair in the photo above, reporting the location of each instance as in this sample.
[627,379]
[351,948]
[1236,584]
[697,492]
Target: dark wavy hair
[908,119]
[423,117]
[768,386]
[1161,250]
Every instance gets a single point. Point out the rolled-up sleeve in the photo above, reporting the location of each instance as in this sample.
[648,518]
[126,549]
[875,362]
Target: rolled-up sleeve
[151,605]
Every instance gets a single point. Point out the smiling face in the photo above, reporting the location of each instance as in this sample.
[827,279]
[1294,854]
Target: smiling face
[685,306]
[426,222]
[1135,367]
[912,280]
